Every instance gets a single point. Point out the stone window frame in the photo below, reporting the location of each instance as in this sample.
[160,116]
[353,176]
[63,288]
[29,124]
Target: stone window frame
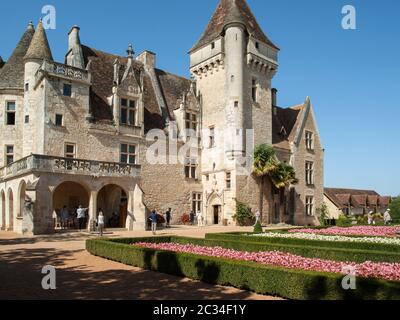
[68,154]
[191,122]
[309,206]
[228,180]
[62,120]
[8,154]
[11,112]
[309,138]
[254,90]
[128,153]
[211,140]
[197,202]
[67,93]
[191,168]
[309,167]
[129,109]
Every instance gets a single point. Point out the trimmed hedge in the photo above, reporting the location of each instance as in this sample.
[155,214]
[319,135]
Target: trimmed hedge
[287,283]
[386,248]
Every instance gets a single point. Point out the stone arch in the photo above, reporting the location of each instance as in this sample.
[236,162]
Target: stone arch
[21,199]
[10,210]
[215,206]
[113,200]
[3,209]
[70,194]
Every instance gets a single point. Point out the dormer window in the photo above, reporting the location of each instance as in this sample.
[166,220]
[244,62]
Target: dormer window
[190,123]
[128,112]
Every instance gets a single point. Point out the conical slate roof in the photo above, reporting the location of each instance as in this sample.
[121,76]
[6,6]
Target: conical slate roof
[12,73]
[39,47]
[231,11]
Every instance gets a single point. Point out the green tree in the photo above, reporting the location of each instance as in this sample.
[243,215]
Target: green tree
[282,178]
[264,162]
[323,214]
[395,209]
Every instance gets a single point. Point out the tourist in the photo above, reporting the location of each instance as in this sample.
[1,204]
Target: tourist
[100,223]
[81,214]
[199,218]
[258,217]
[192,216]
[371,218]
[153,219]
[387,218]
[168,217]
[64,214]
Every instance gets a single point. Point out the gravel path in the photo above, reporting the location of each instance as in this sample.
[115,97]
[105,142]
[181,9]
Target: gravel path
[82,276]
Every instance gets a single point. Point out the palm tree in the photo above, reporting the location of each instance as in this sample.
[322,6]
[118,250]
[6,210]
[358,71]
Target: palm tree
[264,163]
[283,177]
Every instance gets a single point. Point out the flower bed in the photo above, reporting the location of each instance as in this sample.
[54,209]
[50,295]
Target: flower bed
[248,275]
[353,231]
[318,237]
[387,271]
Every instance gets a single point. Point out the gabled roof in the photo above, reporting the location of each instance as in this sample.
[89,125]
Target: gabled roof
[12,73]
[102,70]
[39,47]
[284,124]
[356,198]
[232,11]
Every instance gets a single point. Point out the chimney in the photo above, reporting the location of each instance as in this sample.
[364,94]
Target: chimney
[75,54]
[73,37]
[148,58]
[274,97]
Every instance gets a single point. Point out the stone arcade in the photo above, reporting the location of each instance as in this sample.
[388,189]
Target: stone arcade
[74,133]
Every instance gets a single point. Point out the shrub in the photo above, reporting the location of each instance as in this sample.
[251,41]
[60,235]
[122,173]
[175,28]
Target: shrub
[343,221]
[258,227]
[395,209]
[263,279]
[243,216]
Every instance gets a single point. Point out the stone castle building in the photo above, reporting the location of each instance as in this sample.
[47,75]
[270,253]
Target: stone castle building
[112,132]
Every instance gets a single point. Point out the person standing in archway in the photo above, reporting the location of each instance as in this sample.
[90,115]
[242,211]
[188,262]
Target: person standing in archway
[81,212]
[100,223]
[64,214]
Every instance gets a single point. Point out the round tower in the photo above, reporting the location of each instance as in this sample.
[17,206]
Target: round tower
[235,49]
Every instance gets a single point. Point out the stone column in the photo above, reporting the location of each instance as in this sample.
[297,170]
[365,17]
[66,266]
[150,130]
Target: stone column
[92,209]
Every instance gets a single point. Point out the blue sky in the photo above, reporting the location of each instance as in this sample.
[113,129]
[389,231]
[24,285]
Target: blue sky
[352,76]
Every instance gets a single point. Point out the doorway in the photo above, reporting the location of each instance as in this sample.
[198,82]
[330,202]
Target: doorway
[217,212]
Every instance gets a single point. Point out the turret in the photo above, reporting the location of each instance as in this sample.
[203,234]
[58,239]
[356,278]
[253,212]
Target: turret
[235,48]
[39,50]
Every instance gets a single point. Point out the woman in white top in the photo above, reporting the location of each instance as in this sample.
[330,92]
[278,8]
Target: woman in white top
[100,223]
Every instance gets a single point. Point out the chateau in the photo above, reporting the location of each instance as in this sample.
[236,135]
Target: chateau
[83,131]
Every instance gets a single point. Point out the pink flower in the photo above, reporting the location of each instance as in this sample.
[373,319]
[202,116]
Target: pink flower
[388,271]
[355,231]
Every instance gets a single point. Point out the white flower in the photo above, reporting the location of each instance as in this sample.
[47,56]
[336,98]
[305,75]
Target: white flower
[310,236]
